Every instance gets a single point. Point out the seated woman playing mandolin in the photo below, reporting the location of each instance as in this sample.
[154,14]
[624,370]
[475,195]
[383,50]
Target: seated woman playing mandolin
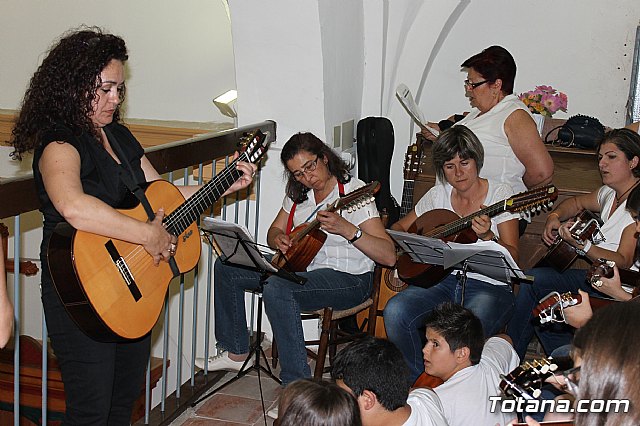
[458,157]
[339,275]
[618,158]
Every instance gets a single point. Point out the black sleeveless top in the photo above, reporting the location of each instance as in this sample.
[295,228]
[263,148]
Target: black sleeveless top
[99,172]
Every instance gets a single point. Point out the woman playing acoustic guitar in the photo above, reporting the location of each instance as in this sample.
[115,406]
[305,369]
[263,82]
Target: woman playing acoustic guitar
[458,157]
[70,118]
[618,162]
[339,275]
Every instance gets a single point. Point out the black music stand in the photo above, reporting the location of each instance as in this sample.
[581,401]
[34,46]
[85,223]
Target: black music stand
[484,257]
[235,246]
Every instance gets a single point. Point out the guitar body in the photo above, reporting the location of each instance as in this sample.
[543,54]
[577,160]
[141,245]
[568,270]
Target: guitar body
[93,289]
[302,252]
[425,275]
[560,256]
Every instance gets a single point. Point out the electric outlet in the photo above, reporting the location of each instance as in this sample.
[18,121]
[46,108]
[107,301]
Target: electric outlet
[336,136]
[347,135]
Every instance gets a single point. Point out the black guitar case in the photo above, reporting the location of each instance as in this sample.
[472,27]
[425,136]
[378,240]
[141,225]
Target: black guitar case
[375,143]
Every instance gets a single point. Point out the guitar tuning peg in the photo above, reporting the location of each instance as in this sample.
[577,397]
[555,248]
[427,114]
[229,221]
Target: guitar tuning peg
[550,204]
[350,209]
[536,393]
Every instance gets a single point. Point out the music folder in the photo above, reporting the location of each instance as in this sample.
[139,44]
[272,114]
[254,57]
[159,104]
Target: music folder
[483,257]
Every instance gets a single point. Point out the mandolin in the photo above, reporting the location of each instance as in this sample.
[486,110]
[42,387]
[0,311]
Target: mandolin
[562,254]
[448,226]
[308,238]
[604,268]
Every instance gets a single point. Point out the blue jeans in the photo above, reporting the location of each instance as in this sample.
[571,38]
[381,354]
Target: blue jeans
[523,324]
[283,302]
[407,311]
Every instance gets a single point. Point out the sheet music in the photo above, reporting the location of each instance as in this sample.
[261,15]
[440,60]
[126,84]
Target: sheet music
[420,249]
[483,257]
[226,235]
[406,99]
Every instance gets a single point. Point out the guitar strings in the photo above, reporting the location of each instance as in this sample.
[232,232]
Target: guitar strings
[133,258]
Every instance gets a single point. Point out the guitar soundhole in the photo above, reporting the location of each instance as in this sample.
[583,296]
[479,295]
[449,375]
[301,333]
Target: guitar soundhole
[393,283]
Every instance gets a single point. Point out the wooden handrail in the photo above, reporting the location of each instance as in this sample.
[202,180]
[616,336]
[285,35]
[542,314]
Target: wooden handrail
[18,195]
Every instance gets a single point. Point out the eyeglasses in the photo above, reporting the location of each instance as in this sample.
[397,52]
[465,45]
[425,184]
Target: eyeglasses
[469,85]
[311,166]
[572,379]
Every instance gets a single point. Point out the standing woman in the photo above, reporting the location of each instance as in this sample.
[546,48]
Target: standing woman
[618,162]
[340,275]
[513,151]
[458,159]
[70,118]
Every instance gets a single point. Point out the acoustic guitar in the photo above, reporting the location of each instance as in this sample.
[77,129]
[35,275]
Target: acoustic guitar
[562,254]
[110,287]
[448,226]
[308,238]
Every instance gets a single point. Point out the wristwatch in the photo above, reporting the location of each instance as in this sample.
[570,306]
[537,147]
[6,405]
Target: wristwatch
[356,236]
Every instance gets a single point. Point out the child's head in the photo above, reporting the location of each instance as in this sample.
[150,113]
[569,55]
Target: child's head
[317,403]
[454,340]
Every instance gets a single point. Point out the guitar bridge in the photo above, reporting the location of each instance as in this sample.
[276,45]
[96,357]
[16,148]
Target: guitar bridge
[124,270]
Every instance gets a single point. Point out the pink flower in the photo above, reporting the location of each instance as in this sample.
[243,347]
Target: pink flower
[544,100]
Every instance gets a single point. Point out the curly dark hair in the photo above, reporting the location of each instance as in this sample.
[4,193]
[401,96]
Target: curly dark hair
[63,88]
[313,145]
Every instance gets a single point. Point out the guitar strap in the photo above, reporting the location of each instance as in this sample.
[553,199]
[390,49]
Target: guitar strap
[127,179]
[293,209]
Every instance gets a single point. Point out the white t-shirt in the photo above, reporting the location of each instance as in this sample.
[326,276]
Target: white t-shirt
[500,162]
[465,396]
[426,409]
[439,197]
[613,225]
[336,253]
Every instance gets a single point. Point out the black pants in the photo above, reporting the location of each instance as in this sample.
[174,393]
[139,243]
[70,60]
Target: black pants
[101,380]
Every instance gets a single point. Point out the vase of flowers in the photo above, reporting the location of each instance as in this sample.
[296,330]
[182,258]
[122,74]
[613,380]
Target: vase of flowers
[544,101]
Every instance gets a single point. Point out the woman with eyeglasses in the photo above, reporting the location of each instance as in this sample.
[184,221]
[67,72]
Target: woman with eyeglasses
[514,153]
[340,275]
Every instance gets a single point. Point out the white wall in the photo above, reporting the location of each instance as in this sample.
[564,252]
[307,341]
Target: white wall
[180,53]
[581,47]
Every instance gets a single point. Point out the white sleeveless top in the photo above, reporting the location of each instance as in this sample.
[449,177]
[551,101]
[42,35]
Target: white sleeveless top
[500,162]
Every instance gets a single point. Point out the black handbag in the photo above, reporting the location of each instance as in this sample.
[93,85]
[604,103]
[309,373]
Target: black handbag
[581,131]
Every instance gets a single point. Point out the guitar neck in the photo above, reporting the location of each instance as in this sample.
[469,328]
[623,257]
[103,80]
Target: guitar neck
[407,197]
[187,213]
[465,222]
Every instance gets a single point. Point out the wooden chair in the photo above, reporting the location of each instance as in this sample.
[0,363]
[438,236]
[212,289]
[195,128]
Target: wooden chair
[330,335]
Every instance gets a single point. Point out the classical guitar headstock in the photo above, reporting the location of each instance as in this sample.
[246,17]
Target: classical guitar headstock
[533,200]
[551,307]
[253,146]
[586,226]
[527,379]
[412,161]
[600,268]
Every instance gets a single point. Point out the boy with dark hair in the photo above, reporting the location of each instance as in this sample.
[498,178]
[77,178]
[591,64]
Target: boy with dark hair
[375,372]
[456,353]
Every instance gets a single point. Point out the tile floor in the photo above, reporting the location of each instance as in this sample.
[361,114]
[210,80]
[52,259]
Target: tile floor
[238,403]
